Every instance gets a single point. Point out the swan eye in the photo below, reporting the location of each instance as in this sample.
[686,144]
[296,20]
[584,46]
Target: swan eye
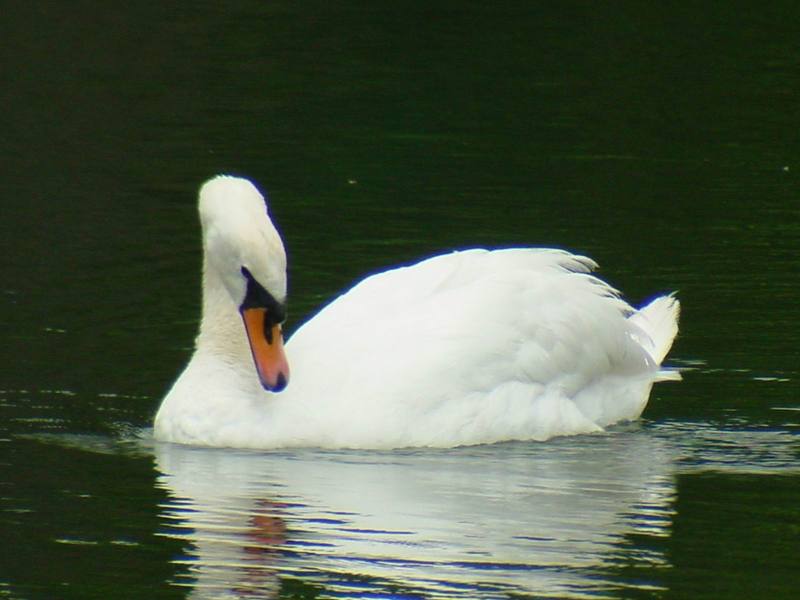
[256,296]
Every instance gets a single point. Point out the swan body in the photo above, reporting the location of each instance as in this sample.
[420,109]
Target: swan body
[471,347]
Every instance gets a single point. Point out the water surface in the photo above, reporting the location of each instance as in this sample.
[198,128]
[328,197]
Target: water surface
[660,141]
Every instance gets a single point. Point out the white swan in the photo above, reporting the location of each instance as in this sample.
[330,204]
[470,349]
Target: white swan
[464,348]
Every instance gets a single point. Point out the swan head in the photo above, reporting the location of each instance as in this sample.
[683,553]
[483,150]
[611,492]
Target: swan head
[245,252]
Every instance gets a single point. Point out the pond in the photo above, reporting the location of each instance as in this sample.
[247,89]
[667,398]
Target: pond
[661,142]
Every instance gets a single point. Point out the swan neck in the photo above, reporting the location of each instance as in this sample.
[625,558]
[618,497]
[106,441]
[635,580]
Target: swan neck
[221,327]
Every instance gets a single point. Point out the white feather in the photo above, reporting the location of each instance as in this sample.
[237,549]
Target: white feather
[465,348]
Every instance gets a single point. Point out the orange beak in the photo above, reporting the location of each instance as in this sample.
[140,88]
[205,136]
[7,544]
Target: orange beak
[266,344]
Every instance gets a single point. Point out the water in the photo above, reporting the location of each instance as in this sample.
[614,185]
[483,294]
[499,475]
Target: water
[661,142]
[490,522]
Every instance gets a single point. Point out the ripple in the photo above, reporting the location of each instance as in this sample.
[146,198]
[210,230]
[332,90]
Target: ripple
[483,522]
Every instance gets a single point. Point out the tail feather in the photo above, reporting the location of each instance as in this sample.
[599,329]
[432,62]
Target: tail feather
[659,320]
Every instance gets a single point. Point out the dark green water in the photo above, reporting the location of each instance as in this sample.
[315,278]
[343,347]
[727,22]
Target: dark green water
[663,142]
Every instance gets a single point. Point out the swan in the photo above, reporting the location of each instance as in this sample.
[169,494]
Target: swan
[470,347]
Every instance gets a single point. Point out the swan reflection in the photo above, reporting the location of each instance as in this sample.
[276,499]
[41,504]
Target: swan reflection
[473,522]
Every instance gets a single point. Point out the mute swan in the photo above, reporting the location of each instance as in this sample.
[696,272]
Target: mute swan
[470,347]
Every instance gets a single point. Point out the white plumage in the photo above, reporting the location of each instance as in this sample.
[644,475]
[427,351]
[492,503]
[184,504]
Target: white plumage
[465,348]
